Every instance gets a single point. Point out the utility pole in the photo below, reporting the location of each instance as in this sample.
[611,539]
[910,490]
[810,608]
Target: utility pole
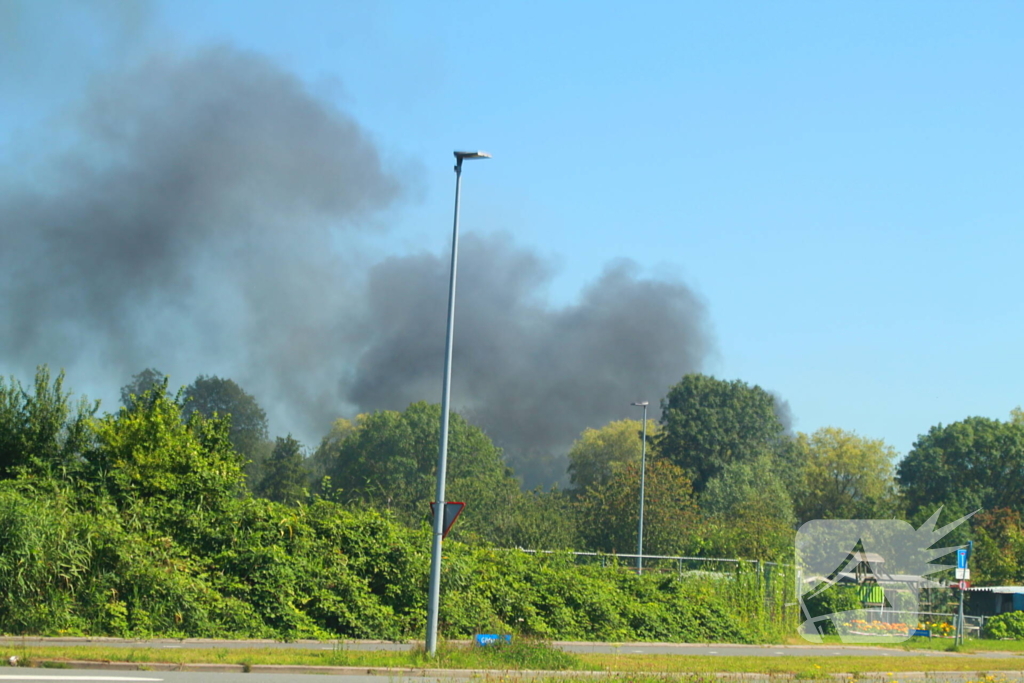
[434,589]
[643,472]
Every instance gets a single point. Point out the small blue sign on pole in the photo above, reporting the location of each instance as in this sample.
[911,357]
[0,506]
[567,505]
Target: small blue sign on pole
[961,558]
[491,638]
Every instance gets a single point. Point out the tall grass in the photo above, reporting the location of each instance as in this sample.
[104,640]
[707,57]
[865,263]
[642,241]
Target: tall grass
[761,594]
[45,555]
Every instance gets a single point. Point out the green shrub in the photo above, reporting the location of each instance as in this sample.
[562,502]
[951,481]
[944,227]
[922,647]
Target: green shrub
[138,524]
[1007,625]
[260,569]
[526,654]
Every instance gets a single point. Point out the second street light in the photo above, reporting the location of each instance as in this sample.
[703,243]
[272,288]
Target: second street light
[433,597]
[643,470]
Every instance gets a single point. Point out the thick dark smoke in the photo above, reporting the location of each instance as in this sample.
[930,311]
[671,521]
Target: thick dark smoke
[207,221]
[191,229]
[533,376]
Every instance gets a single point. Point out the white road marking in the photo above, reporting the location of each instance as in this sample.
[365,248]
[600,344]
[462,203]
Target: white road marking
[5,677]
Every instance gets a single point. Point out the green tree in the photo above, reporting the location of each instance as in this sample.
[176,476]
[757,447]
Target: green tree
[534,520]
[846,476]
[789,462]
[609,513]
[390,459]
[971,464]
[749,511]
[141,383]
[249,434]
[709,423]
[148,452]
[285,475]
[998,548]
[43,431]
[743,481]
[322,460]
[755,532]
[595,455]
[1017,415]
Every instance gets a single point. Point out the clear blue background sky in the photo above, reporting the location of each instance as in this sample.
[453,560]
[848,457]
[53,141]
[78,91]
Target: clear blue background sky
[840,182]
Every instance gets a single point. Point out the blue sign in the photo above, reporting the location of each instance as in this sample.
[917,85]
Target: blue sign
[961,558]
[491,639]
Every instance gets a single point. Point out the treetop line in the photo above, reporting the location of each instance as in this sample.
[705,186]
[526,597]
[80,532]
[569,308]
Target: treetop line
[724,479]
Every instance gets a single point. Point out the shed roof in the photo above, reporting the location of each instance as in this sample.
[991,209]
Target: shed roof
[874,558]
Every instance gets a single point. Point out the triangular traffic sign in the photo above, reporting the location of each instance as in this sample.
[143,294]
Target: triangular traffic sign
[451,513]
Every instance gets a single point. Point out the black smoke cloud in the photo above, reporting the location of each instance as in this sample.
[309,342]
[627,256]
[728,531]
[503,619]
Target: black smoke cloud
[534,376]
[191,228]
[195,226]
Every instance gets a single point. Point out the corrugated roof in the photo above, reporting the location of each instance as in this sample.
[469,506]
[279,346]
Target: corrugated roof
[868,557]
[850,577]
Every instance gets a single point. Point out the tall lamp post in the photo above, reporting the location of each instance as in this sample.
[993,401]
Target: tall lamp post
[643,471]
[442,457]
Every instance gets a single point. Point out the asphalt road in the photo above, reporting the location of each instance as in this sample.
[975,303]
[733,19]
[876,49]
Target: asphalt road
[87,675]
[720,650]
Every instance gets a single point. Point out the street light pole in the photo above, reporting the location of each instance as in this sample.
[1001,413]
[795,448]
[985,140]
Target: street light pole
[433,597]
[643,471]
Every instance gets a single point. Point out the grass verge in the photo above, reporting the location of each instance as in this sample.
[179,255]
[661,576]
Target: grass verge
[520,655]
[524,656]
[890,677]
[932,644]
[800,666]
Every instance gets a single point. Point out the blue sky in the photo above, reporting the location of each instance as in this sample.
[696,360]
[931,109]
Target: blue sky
[838,182]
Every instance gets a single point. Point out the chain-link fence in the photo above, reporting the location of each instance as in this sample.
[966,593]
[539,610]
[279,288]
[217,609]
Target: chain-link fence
[724,568]
[680,565]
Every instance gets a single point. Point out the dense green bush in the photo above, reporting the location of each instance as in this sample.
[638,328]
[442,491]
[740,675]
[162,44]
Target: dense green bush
[1008,625]
[267,570]
[141,526]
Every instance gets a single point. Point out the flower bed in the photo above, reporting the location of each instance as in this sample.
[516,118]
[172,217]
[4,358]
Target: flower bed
[899,628]
[939,629]
[875,628]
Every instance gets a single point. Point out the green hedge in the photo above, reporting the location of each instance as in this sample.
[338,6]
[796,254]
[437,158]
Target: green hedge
[1007,625]
[72,562]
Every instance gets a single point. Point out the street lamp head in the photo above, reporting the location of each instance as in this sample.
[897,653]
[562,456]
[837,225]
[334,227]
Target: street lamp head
[472,155]
[641,403]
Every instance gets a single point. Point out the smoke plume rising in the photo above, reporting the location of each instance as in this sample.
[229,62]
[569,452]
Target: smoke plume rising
[532,375]
[194,226]
[191,227]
